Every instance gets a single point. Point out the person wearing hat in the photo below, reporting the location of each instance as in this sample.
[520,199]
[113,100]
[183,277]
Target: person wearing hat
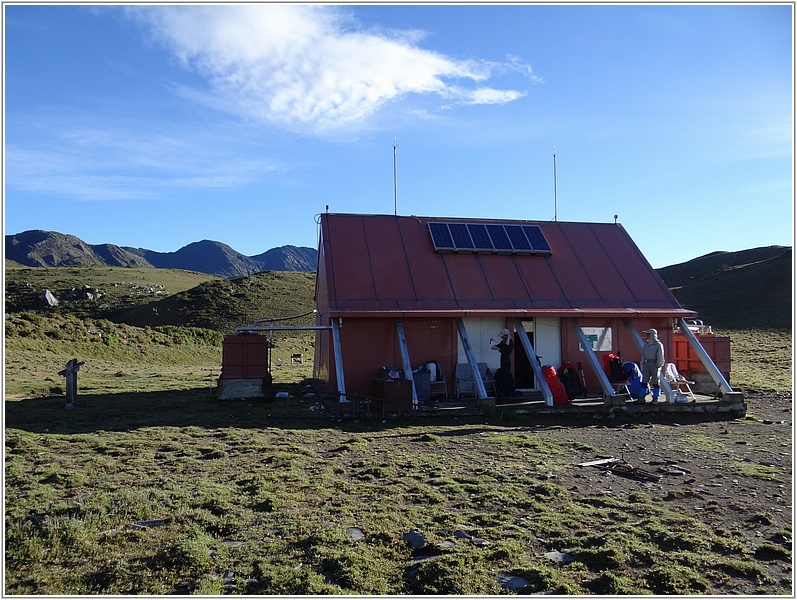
[651,364]
[504,382]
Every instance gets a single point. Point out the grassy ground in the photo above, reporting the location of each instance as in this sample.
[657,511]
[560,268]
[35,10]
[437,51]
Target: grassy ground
[152,486]
[174,492]
[761,360]
[112,288]
[122,358]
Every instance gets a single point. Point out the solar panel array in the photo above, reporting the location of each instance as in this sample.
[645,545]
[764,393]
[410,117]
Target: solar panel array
[488,237]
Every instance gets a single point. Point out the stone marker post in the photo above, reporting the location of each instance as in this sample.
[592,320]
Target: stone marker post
[70,372]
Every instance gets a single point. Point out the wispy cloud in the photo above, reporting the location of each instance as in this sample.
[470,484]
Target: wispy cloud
[81,156]
[314,67]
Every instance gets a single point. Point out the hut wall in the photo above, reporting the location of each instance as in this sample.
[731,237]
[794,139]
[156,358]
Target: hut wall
[622,343]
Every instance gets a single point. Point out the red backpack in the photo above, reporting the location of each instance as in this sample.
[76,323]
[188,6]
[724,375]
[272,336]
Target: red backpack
[613,367]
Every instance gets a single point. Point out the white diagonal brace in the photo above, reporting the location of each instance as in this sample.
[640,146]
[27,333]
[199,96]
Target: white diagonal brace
[481,392]
[709,365]
[338,359]
[405,361]
[593,361]
[535,365]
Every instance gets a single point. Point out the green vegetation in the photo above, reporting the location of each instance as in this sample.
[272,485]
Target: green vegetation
[152,486]
[131,341]
[174,492]
[151,297]
[761,359]
[118,287]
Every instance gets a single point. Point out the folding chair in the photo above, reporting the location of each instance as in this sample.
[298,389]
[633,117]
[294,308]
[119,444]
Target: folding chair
[621,387]
[678,381]
[438,386]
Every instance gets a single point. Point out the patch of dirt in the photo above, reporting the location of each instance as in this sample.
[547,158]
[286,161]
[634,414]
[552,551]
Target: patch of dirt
[737,474]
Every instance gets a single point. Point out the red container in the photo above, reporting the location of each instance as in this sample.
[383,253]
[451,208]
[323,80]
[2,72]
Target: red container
[688,363]
[244,357]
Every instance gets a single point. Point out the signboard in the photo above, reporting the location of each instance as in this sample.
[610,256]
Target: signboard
[600,338]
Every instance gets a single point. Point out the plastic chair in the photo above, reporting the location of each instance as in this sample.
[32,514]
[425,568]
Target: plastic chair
[487,378]
[466,385]
[678,381]
[464,380]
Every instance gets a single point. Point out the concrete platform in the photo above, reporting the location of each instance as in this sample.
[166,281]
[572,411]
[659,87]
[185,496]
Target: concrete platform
[730,406]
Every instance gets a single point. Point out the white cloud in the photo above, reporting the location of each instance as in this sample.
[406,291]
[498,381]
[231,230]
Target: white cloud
[491,96]
[312,66]
[82,157]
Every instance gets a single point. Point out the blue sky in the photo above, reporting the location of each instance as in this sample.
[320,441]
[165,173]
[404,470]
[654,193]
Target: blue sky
[156,126]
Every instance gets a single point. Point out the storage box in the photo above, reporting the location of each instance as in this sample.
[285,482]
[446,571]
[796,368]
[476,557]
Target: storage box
[395,394]
[244,357]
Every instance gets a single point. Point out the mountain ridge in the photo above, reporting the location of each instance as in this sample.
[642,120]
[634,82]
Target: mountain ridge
[746,289]
[40,248]
[740,289]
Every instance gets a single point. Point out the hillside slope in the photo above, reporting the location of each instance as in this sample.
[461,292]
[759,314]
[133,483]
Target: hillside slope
[224,305]
[749,289]
[94,291]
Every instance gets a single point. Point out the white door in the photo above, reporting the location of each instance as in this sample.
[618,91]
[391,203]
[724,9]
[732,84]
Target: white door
[548,340]
[480,330]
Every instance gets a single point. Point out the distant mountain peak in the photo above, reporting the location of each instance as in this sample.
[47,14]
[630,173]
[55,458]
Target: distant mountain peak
[39,248]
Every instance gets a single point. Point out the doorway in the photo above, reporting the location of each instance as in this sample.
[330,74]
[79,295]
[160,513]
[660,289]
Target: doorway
[524,374]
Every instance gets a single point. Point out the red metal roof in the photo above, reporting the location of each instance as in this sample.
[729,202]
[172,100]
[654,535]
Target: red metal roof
[384,265]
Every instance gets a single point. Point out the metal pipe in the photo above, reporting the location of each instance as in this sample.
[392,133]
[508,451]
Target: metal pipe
[284,328]
[338,360]
[273,319]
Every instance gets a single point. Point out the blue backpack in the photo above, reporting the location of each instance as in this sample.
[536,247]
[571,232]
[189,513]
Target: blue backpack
[634,376]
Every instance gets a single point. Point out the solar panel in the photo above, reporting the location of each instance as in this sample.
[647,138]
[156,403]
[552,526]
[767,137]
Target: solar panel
[488,237]
[481,240]
[499,238]
[517,237]
[441,236]
[536,238]
[459,231]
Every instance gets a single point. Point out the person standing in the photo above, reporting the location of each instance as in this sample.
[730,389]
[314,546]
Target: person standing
[504,382]
[651,364]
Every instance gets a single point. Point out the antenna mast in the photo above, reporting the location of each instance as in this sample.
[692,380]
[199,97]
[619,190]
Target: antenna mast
[555,213]
[395,182]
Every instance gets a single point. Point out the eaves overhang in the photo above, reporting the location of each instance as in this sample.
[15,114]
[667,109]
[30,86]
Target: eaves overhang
[624,313]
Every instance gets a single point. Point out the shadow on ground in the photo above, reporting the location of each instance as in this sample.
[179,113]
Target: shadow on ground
[200,408]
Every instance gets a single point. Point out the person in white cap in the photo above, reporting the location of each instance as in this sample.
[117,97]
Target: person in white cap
[504,382]
[651,364]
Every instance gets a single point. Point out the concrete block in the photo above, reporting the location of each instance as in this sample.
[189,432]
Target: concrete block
[229,389]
